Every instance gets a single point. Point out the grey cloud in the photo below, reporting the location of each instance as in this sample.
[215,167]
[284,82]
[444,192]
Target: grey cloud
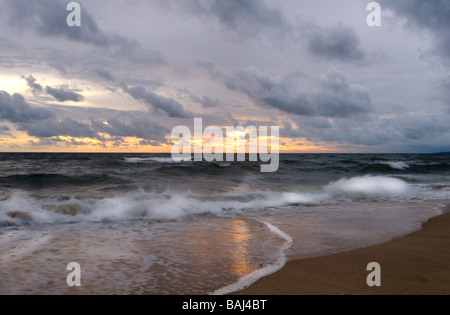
[102,73]
[207,102]
[55,128]
[132,125]
[338,98]
[336,43]
[357,132]
[432,16]
[131,49]
[56,141]
[117,126]
[45,124]
[48,18]
[148,142]
[60,94]
[64,95]
[4,130]
[406,133]
[335,98]
[210,68]
[444,92]
[244,17]
[419,127]
[204,101]
[255,18]
[35,87]
[16,110]
[160,103]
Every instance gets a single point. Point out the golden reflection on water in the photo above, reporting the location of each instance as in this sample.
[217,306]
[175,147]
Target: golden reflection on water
[232,242]
[240,236]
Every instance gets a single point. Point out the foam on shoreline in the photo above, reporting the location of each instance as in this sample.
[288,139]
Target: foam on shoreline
[263,272]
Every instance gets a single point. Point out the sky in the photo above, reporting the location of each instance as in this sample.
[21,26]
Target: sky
[136,69]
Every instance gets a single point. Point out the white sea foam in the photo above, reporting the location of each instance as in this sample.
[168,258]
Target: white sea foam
[248,280]
[369,187]
[22,209]
[397,165]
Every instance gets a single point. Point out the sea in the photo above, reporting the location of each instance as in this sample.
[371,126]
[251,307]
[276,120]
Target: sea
[148,224]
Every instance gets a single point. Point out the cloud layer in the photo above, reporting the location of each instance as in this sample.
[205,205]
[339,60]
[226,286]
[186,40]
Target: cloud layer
[429,16]
[335,96]
[138,70]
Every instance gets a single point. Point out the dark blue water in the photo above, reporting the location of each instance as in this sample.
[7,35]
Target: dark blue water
[143,223]
[98,174]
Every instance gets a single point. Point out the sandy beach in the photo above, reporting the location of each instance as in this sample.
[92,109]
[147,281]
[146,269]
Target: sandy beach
[416,264]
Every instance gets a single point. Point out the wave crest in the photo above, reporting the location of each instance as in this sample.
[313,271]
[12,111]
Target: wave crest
[20,209]
[369,187]
[397,165]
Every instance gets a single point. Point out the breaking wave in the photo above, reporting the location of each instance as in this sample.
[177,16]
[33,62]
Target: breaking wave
[397,165]
[20,209]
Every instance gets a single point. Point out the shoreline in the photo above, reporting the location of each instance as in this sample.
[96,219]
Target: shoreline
[415,264]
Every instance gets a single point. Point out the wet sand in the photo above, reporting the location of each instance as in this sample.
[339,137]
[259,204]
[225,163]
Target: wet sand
[417,264]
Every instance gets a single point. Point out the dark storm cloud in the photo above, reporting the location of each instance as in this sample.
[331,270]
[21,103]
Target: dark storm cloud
[48,18]
[426,131]
[420,127]
[117,126]
[404,133]
[370,132]
[60,94]
[338,98]
[244,17]
[337,43]
[64,95]
[207,102]
[56,141]
[204,101]
[55,128]
[5,130]
[210,68]
[16,110]
[255,18]
[266,90]
[160,103]
[444,92]
[432,16]
[273,36]
[335,98]
[104,74]
[136,125]
[45,124]
[35,87]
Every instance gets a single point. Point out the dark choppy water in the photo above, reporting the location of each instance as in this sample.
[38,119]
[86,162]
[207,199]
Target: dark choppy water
[147,224]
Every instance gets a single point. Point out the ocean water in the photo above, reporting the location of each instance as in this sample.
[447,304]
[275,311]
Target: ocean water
[146,224]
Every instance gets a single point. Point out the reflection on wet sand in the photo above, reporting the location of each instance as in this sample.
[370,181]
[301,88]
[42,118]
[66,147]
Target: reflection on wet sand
[240,234]
[135,257]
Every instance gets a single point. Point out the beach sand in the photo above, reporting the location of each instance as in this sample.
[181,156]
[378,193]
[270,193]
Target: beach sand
[416,264]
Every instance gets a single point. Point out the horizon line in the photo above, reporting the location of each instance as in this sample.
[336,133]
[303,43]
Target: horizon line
[47,152]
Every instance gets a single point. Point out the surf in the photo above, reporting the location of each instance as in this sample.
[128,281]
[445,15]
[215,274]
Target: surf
[21,209]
